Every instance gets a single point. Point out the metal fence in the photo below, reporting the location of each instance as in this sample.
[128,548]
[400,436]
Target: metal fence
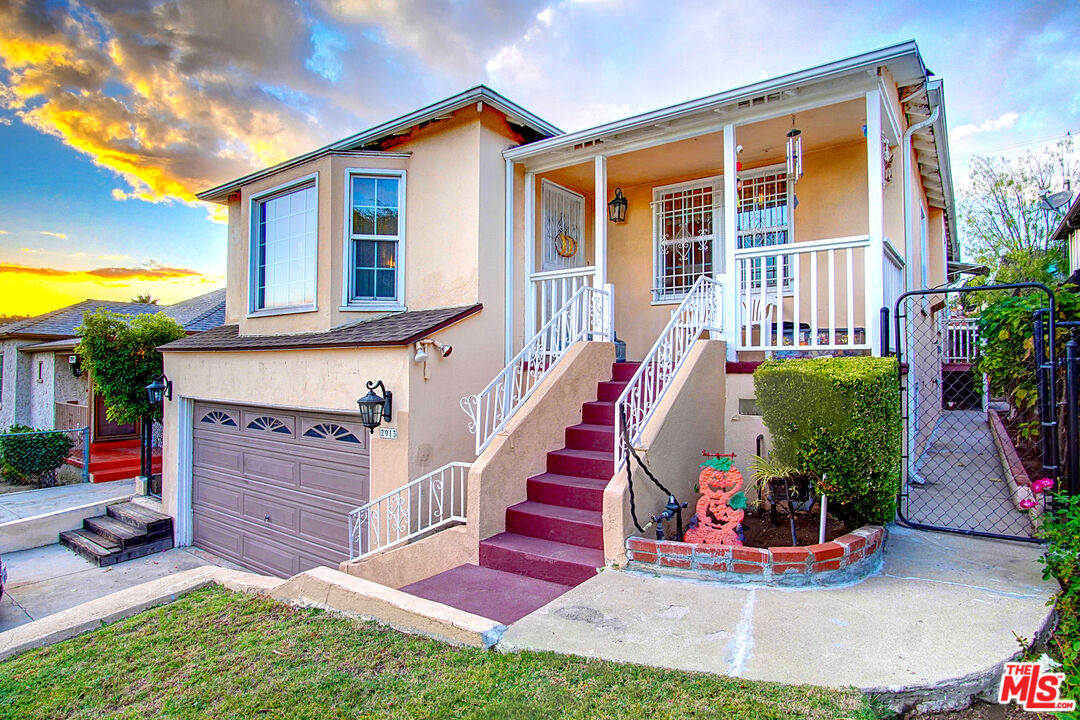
[975,447]
[44,458]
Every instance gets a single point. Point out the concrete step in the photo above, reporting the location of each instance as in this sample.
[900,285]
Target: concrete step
[609,390]
[585,436]
[120,473]
[502,596]
[624,371]
[567,491]
[598,412]
[541,559]
[581,463]
[572,526]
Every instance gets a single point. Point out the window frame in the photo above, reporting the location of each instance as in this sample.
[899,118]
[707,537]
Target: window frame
[787,286]
[254,201]
[349,303]
[717,250]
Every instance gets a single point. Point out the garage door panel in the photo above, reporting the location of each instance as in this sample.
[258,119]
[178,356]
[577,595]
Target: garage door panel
[258,467]
[209,492]
[336,482]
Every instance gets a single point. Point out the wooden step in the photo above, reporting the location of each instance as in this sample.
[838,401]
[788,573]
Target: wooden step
[103,552]
[147,521]
[119,533]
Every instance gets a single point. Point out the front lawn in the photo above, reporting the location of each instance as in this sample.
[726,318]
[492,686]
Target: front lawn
[216,654]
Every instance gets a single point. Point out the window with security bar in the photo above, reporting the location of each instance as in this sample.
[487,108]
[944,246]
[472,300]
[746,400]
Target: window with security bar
[562,227]
[763,219]
[687,226]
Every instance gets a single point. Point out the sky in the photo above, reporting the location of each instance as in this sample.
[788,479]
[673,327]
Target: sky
[114,113]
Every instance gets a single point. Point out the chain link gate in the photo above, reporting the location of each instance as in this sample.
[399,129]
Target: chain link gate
[972,449]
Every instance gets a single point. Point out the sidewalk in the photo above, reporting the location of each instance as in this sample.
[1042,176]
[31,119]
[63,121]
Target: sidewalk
[30,503]
[942,611]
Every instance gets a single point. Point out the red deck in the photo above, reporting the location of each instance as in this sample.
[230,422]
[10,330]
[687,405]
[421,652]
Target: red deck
[115,460]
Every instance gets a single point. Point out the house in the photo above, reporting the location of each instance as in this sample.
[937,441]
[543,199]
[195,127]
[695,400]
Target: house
[43,385]
[1068,232]
[777,218]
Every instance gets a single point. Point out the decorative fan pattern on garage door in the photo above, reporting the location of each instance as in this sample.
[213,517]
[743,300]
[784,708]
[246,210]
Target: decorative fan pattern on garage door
[330,431]
[271,424]
[217,417]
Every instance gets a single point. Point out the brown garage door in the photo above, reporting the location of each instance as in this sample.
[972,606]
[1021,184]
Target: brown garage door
[272,490]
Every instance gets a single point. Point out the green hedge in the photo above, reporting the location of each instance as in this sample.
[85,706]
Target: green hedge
[838,419]
[32,459]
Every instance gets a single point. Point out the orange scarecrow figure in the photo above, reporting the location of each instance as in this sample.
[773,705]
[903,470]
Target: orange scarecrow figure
[720,510]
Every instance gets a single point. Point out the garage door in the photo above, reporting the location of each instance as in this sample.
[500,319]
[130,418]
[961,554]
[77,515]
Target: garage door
[272,490]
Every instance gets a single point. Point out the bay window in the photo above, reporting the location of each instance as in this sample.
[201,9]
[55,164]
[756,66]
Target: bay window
[284,242]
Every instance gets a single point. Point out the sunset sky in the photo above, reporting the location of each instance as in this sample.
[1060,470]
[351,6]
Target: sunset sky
[113,113]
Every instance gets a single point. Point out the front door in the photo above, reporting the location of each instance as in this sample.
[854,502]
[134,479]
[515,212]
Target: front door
[105,429]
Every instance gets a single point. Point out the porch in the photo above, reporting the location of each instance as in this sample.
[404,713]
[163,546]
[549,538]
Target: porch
[795,231]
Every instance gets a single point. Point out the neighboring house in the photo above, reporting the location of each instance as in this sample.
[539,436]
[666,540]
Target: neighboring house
[43,385]
[1068,231]
[474,223]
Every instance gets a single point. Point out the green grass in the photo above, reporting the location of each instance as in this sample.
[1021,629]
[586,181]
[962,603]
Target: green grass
[216,654]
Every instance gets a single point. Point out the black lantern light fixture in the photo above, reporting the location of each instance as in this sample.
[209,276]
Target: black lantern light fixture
[375,408]
[616,208]
[159,390]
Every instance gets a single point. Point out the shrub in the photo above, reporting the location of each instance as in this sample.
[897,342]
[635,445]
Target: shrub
[33,459]
[1062,562]
[838,419]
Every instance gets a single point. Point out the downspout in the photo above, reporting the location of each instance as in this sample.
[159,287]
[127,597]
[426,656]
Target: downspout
[909,252]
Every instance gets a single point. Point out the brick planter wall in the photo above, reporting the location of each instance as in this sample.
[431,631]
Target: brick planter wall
[847,558]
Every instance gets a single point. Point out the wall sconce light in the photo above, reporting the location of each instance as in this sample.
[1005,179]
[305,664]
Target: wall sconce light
[159,390]
[616,207]
[76,365]
[375,408]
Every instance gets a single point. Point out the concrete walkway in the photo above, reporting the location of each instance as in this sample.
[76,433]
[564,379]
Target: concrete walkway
[18,505]
[965,484]
[50,579]
[943,608]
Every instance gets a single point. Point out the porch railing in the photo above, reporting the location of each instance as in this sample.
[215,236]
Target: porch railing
[892,280]
[961,340]
[70,415]
[417,508]
[586,315]
[552,289]
[805,296]
[699,311]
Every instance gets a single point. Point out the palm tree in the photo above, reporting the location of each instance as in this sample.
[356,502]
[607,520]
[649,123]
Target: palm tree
[145,299]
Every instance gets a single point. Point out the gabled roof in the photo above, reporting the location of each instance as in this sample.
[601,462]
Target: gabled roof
[481,93]
[401,328]
[198,313]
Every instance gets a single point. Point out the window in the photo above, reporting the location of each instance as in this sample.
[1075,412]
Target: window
[563,213]
[283,263]
[375,233]
[686,229]
[764,219]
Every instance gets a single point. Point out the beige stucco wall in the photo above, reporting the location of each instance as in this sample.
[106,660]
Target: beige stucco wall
[42,365]
[497,478]
[689,419]
[741,431]
[417,560]
[67,387]
[15,398]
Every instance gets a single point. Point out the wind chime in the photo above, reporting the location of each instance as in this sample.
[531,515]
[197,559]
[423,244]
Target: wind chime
[794,151]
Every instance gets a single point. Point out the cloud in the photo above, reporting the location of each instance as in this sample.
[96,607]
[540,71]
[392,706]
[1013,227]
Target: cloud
[114,258]
[4,232]
[152,271]
[1002,122]
[62,236]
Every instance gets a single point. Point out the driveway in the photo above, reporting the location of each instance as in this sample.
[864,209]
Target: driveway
[46,580]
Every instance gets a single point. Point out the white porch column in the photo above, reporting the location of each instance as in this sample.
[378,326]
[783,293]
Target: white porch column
[873,277]
[730,277]
[530,256]
[601,221]
[508,282]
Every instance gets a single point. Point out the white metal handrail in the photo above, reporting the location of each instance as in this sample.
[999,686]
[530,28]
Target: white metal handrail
[416,508]
[551,289]
[773,289]
[699,311]
[587,314]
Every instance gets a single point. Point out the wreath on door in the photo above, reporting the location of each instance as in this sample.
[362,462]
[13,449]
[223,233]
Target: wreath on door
[565,245]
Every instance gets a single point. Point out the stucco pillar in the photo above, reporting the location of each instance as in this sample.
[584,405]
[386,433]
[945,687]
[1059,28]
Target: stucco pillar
[729,278]
[601,220]
[873,277]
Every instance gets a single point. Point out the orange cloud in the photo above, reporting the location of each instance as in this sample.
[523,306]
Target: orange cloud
[151,272]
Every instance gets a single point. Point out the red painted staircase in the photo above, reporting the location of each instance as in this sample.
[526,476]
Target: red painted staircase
[553,540]
[115,460]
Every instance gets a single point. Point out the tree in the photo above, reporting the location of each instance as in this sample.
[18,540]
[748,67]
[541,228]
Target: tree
[144,298]
[1005,225]
[121,353]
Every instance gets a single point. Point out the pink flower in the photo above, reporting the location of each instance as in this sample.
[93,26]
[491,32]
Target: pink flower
[1027,503]
[1041,485]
